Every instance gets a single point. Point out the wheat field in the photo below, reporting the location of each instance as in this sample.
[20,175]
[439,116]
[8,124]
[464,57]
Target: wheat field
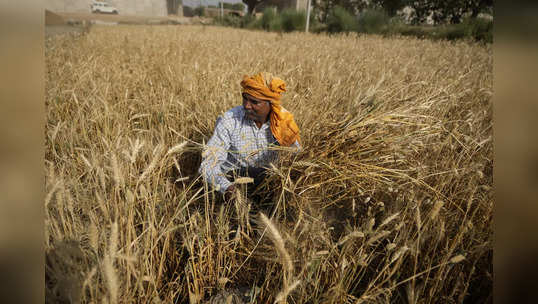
[389,201]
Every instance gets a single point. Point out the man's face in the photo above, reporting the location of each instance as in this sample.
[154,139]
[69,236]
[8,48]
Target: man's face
[256,109]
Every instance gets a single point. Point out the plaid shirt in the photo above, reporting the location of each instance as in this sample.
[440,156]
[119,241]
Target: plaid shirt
[237,143]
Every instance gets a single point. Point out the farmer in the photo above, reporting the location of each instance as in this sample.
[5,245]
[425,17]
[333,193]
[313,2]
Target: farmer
[246,138]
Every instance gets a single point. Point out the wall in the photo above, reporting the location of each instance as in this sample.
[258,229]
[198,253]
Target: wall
[125,7]
[71,6]
[141,7]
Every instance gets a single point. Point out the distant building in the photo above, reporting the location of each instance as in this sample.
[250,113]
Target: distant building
[158,8]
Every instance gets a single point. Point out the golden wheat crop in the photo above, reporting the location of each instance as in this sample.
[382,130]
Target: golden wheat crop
[389,200]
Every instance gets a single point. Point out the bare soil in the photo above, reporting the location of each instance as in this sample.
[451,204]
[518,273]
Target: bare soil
[60,23]
[51,30]
[129,19]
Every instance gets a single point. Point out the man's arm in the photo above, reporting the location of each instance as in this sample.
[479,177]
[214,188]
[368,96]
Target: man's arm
[215,154]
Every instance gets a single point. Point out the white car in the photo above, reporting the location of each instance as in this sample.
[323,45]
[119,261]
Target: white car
[103,8]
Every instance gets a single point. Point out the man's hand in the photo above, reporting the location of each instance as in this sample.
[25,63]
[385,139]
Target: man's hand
[229,194]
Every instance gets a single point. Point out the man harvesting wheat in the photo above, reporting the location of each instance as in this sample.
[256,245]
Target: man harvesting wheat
[246,137]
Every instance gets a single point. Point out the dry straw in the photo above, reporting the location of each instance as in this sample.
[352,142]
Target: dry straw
[382,120]
[110,273]
[243,180]
[436,208]
[354,234]
[457,259]
[376,237]
[177,148]
[281,296]
[389,219]
[279,244]
[155,159]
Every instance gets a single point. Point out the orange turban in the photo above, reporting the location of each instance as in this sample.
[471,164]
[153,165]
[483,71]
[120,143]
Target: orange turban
[266,87]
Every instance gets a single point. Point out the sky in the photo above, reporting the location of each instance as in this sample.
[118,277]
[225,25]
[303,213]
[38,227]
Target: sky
[195,3]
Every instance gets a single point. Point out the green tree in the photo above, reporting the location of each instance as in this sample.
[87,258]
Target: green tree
[476,7]
[188,11]
[422,9]
[280,5]
[251,4]
[340,20]
[390,6]
[448,11]
[238,6]
[199,11]
[325,7]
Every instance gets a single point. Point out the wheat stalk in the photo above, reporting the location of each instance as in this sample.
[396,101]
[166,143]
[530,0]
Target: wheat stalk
[392,120]
[279,243]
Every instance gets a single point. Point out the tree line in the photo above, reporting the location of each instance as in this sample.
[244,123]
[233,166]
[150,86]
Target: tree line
[440,11]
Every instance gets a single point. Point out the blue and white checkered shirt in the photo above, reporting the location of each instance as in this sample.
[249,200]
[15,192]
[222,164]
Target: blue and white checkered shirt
[237,143]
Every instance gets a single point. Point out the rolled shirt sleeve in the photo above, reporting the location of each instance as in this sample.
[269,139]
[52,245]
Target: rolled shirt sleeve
[215,155]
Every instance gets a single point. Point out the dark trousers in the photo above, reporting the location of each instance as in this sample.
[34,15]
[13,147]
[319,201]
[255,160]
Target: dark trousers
[260,196]
[258,174]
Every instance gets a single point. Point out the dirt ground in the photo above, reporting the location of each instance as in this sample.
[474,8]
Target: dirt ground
[118,18]
[78,17]
[52,30]
[59,23]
